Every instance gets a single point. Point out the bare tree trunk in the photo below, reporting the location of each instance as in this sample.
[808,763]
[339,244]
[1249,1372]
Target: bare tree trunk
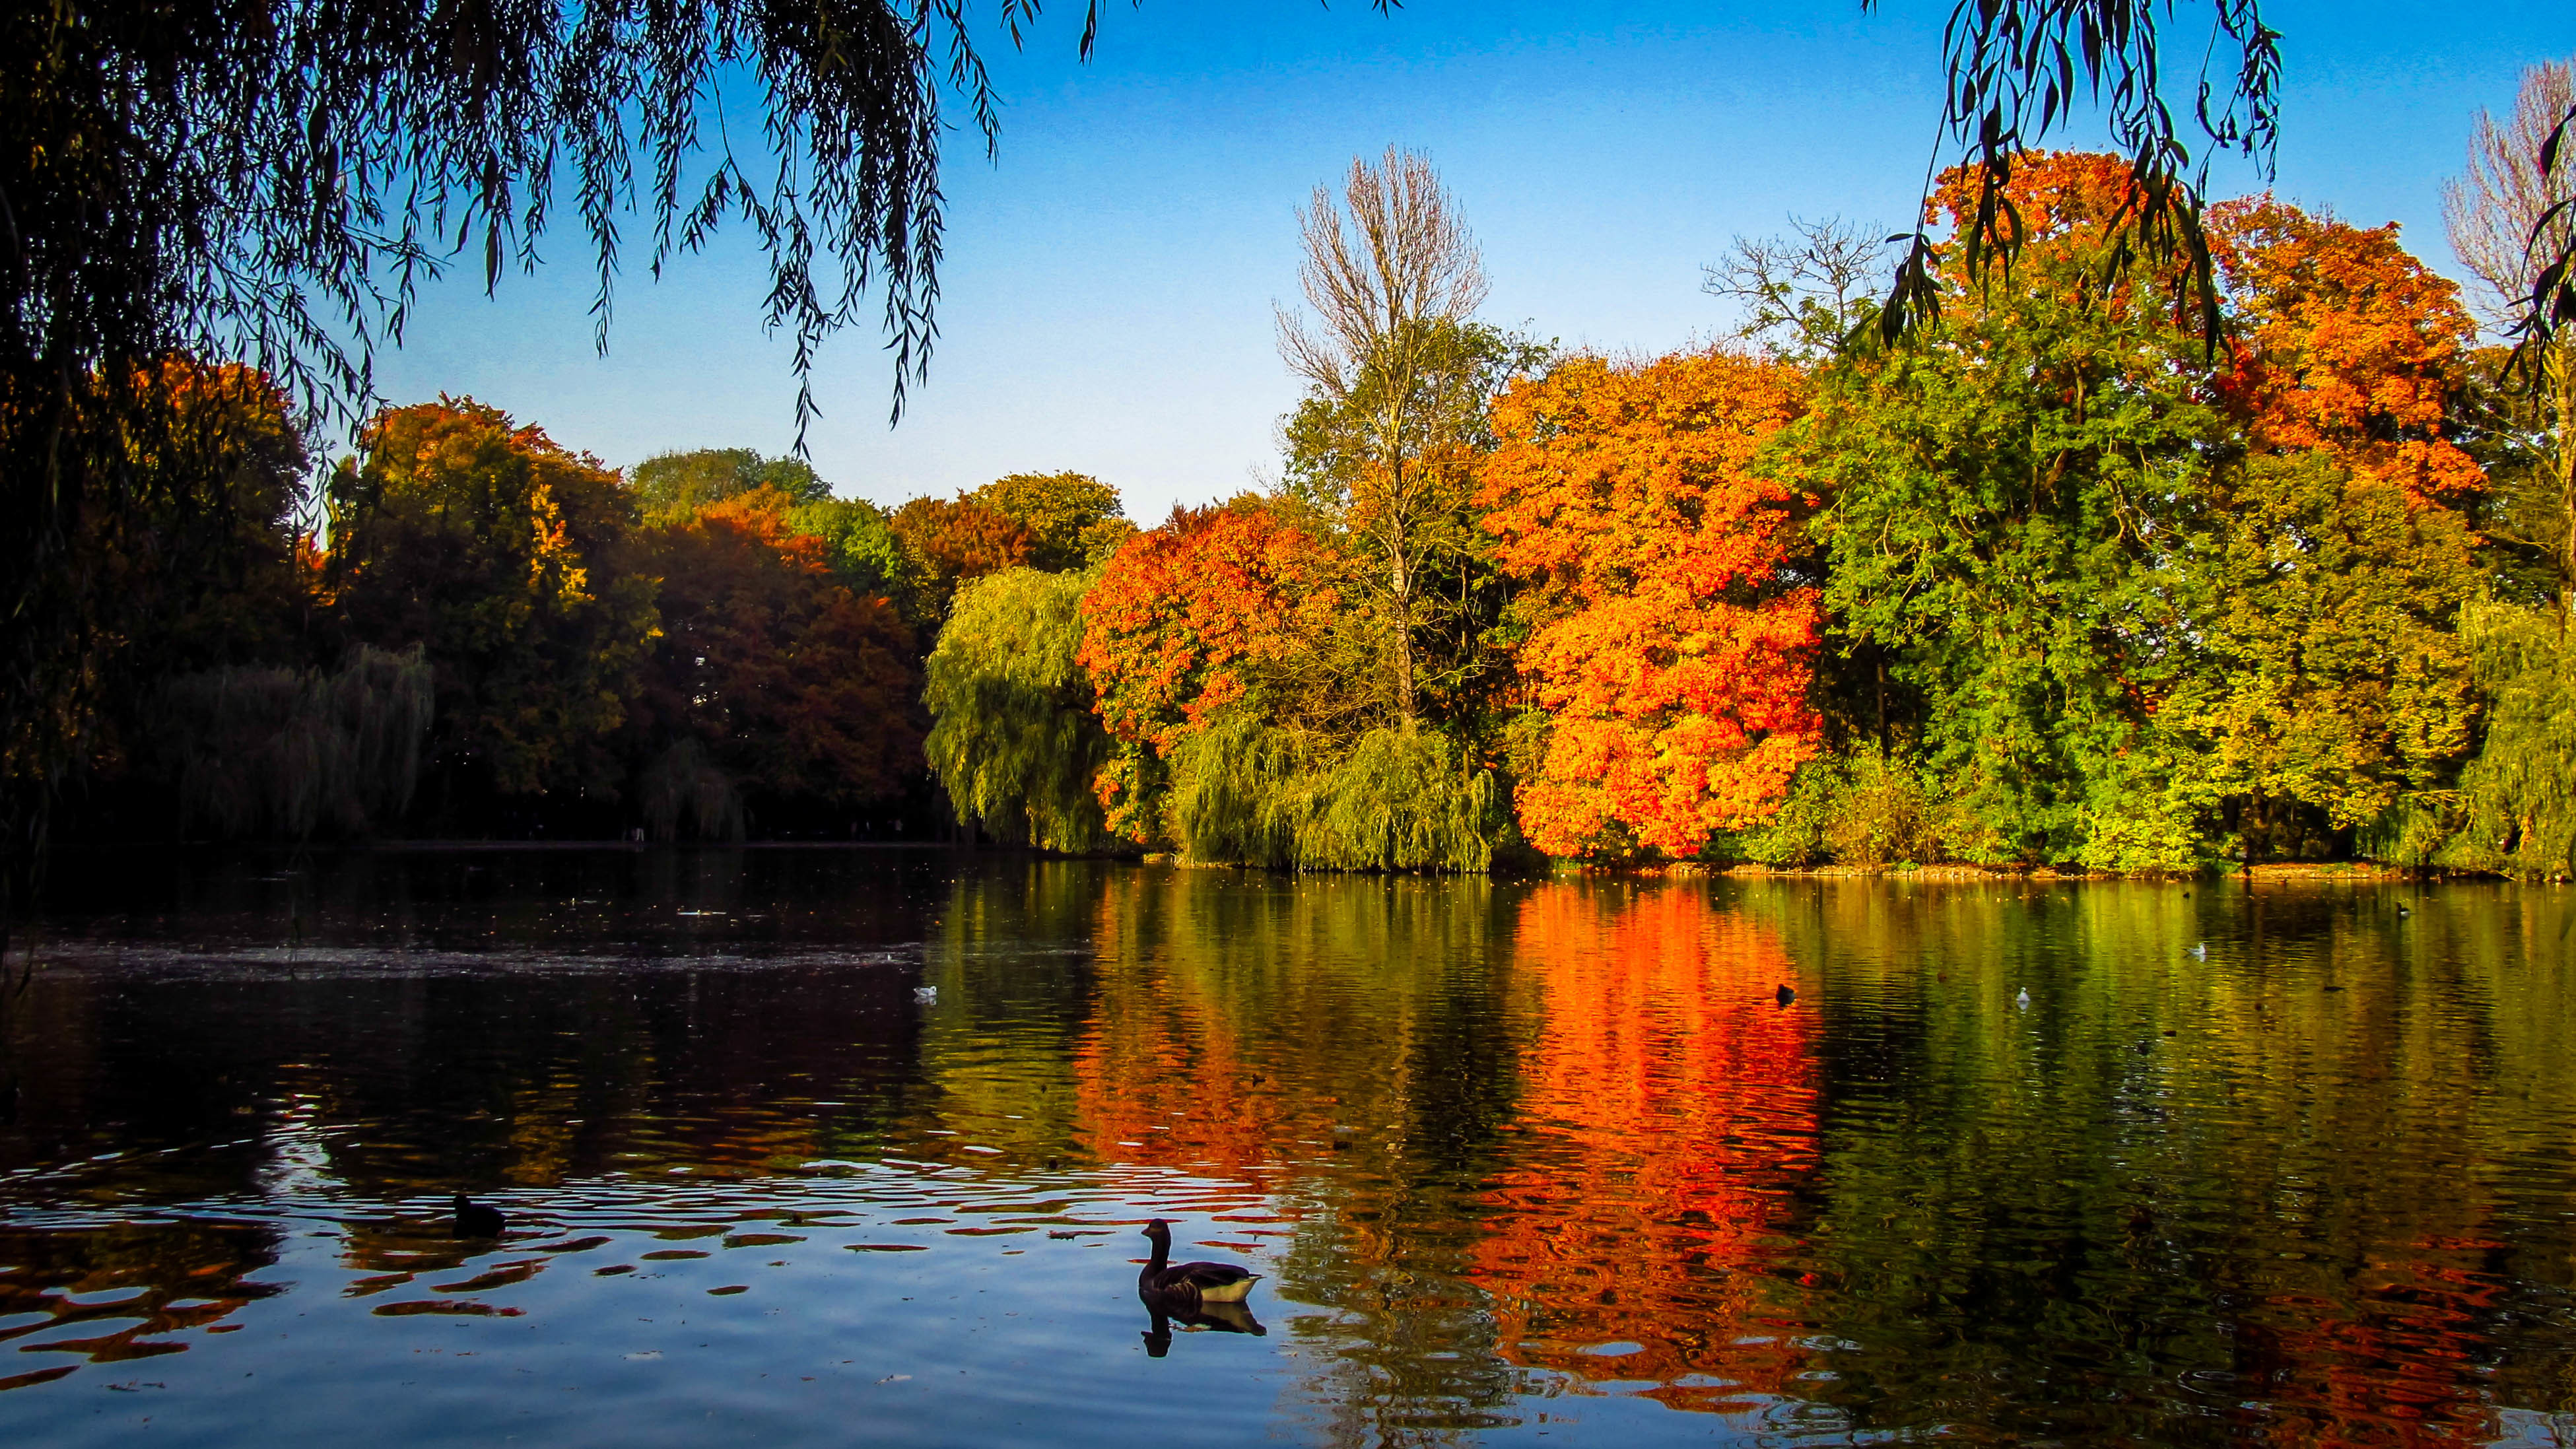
[1399,554]
[2558,382]
[1401,606]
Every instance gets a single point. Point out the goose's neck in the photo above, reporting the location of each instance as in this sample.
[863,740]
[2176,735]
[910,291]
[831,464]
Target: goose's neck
[1162,1251]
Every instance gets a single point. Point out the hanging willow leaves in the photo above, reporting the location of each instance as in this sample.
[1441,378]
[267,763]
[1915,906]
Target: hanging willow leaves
[1015,742]
[2018,69]
[271,182]
[2551,254]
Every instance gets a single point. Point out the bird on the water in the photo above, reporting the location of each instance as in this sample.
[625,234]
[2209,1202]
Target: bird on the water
[1179,1287]
[1785,994]
[477,1220]
[2023,999]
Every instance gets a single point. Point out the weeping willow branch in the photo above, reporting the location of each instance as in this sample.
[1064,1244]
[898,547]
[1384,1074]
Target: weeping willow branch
[1247,793]
[291,754]
[2019,69]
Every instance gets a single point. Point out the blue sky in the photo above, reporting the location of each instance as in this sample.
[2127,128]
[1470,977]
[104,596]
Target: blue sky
[1109,281]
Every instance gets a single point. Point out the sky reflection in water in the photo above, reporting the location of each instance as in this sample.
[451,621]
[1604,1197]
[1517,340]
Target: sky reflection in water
[1521,1161]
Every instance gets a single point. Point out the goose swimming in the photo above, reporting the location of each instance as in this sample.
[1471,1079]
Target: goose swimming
[1179,1286]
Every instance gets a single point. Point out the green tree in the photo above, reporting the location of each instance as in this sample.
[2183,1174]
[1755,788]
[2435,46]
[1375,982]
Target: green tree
[2332,675]
[1995,493]
[862,549]
[2517,803]
[499,553]
[1390,363]
[676,485]
[1014,739]
[1068,515]
[2148,599]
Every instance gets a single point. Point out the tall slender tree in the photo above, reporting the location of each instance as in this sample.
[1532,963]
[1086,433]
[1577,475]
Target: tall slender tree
[1394,280]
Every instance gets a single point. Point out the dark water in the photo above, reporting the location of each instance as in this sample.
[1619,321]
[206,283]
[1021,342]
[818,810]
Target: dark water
[1521,1162]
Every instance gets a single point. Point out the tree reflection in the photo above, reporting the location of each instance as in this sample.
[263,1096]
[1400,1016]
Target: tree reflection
[1668,1116]
[1349,1045]
[2279,1165]
[2248,1191]
[137,1282]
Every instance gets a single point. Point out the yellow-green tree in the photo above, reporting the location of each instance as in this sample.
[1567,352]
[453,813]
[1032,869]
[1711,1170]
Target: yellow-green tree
[1073,519]
[498,552]
[1015,741]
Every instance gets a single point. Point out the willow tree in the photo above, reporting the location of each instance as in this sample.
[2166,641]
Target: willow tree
[1015,741]
[2510,210]
[1393,279]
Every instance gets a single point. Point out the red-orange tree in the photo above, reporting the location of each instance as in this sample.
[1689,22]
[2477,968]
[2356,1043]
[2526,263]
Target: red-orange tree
[1672,667]
[793,686]
[953,540]
[1180,617]
[2347,345]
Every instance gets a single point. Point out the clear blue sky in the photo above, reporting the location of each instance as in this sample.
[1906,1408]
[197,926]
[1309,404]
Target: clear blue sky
[1110,277]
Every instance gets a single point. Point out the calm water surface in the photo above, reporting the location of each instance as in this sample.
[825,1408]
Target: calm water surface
[852,1147]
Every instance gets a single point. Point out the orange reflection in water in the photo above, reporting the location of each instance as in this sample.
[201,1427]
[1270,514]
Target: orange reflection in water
[1160,1081]
[1667,1101]
[2396,1361]
[1161,1071]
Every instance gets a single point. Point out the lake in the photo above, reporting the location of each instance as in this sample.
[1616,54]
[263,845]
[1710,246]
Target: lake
[808,1146]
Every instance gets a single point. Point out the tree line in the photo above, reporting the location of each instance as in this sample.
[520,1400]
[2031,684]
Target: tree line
[469,629]
[2065,576]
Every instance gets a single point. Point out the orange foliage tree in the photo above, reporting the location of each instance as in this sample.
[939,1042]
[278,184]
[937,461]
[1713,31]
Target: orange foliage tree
[783,678]
[1181,613]
[1673,667]
[2340,340]
[2348,345]
[953,540]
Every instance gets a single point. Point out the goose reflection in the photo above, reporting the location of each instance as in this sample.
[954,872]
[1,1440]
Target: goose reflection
[1202,1318]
